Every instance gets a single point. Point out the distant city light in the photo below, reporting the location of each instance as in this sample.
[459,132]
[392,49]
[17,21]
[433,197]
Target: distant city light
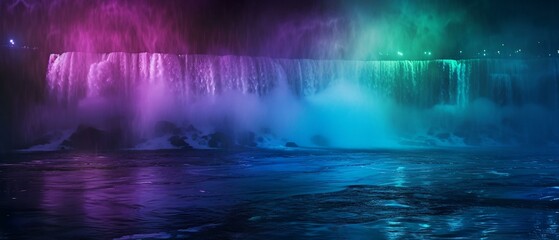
[12,42]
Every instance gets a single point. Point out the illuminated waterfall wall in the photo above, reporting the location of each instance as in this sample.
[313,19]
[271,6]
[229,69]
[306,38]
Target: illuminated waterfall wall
[334,103]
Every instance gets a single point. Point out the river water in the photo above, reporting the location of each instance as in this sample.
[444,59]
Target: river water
[489,193]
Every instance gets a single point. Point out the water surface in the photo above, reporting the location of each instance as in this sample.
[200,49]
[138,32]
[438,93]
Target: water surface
[266,194]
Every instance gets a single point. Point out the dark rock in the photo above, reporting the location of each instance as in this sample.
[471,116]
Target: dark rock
[320,140]
[90,138]
[65,145]
[220,140]
[163,128]
[42,140]
[247,139]
[443,135]
[472,140]
[291,144]
[192,129]
[179,142]
[266,130]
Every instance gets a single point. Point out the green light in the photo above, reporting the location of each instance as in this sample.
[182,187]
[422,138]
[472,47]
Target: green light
[417,25]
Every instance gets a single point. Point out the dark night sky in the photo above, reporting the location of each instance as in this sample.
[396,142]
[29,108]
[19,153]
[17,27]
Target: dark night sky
[302,28]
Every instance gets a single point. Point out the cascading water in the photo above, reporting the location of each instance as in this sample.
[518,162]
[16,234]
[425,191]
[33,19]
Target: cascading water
[350,104]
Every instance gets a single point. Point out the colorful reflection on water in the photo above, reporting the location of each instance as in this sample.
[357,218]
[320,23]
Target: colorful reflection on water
[383,194]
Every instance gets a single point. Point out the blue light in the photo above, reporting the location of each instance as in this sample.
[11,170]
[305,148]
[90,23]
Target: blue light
[12,42]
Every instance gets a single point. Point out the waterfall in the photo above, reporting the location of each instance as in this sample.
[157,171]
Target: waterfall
[72,75]
[474,101]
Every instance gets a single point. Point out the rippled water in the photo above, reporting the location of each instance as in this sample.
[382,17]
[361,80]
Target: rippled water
[258,194]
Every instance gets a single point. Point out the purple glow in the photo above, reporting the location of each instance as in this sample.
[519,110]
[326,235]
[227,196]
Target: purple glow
[181,27]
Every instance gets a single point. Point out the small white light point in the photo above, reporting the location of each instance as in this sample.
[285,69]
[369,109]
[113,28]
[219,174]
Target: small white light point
[12,42]
[400,53]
